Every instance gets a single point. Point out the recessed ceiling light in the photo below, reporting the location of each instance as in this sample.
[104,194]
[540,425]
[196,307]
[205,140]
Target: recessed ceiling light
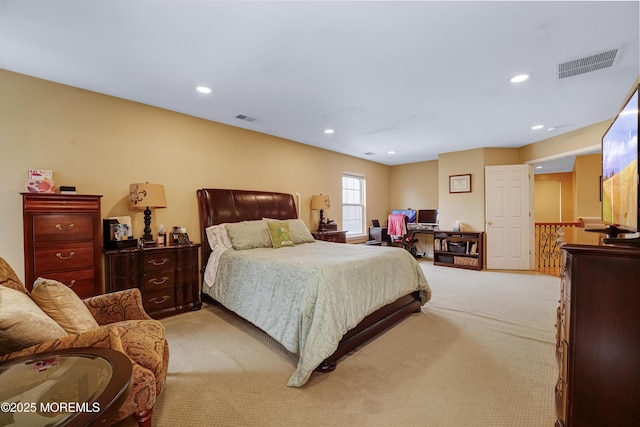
[328,131]
[551,129]
[519,78]
[203,89]
[391,152]
[538,167]
[536,127]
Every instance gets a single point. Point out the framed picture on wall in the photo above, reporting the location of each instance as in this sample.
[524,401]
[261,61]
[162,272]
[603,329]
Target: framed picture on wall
[460,183]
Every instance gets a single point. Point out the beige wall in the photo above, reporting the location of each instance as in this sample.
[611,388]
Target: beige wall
[587,185]
[468,208]
[101,144]
[571,142]
[567,202]
[501,156]
[587,173]
[414,186]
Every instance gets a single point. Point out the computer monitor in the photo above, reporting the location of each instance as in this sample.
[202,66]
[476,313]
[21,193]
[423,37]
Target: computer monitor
[410,213]
[428,216]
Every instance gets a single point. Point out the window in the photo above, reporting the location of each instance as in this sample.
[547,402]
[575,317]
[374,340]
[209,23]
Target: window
[353,197]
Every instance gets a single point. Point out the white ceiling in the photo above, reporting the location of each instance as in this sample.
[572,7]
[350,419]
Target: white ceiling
[420,78]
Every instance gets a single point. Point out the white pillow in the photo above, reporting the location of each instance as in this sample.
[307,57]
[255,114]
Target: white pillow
[217,236]
[249,235]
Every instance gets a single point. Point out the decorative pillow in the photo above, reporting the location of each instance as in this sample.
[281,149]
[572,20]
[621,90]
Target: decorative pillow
[63,305]
[249,235]
[23,323]
[217,236]
[299,232]
[9,278]
[279,232]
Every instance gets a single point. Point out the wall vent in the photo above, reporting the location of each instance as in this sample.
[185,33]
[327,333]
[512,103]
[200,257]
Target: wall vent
[245,118]
[587,64]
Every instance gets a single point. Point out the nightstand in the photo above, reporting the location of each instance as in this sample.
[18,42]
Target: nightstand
[167,276]
[331,236]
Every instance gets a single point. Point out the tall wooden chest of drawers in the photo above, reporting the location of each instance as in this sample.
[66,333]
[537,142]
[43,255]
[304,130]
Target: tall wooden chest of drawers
[598,337]
[167,276]
[62,241]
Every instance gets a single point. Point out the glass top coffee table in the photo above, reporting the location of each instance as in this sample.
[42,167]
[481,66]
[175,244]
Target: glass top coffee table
[73,387]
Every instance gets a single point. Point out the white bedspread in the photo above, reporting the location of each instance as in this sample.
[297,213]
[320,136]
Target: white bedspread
[308,296]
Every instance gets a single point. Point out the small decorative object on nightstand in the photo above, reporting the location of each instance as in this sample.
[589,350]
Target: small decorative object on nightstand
[331,236]
[167,276]
[321,203]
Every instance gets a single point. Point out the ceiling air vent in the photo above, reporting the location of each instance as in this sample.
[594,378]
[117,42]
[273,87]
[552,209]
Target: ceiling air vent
[245,118]
[587,64]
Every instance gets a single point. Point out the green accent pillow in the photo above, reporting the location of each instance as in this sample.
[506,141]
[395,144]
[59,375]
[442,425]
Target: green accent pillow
[280,234]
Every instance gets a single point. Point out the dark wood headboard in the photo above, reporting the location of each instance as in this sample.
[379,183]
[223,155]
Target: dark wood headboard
[218,206]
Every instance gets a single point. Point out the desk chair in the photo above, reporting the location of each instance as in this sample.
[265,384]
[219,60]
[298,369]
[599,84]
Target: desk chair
[401,236]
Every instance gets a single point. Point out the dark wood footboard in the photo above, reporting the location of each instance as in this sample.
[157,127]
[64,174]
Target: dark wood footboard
[369,327]
[372,325]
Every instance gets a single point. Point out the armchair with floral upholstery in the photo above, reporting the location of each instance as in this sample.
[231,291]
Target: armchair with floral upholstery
[46,319]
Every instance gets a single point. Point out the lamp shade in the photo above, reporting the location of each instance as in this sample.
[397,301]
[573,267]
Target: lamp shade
[145,195]
[320,202]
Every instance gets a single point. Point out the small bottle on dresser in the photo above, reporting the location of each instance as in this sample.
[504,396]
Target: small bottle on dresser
[162,237]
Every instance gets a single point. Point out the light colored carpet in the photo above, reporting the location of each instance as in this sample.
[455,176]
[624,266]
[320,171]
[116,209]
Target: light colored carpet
[481,353]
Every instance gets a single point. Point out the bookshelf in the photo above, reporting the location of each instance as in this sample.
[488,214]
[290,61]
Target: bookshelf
[459,249]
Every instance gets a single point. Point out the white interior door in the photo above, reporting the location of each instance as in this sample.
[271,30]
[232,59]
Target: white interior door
[509,219]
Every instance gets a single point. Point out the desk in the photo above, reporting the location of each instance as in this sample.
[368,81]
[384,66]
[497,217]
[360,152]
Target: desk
[426,231]
[72,387]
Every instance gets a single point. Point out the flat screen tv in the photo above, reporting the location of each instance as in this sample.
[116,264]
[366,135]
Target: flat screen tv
[620,180]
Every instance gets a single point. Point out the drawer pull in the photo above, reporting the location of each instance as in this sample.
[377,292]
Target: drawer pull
[159,301]
[69,227]
[59,255]
[158,281]
[158,262]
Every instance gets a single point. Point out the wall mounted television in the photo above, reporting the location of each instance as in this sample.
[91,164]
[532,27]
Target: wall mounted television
[620,179]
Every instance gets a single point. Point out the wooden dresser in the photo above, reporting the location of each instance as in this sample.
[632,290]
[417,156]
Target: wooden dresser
[62,241]
[167,276]
[598,337]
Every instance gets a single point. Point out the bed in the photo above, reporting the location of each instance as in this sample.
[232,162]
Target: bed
[318,299]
